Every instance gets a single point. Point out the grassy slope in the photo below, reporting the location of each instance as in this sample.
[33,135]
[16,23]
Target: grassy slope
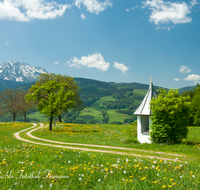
[140,91]
[85,170]
[95,111]
[121,135]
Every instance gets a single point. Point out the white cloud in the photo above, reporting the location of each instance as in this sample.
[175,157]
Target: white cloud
[95,60]
[93,6]
[83,16]
[193,3]
[121,67]
[165,12]
[25,10]
[184,69]
[6,43]
[192,77]
[132,8]
[56,63]
[176,79]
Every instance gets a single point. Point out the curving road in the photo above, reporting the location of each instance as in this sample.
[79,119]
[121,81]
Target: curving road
[63,145]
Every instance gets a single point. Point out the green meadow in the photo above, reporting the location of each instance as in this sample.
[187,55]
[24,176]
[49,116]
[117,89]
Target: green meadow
[26,165]
[94,111]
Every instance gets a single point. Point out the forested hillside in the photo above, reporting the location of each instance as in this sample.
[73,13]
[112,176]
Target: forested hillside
[120,100]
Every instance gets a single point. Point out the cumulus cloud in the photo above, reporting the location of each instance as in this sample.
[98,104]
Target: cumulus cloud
[83,16]
[184,69]
[91,61]
[26,10]
[165,11]
[56,63]
[93,6]
[176,79]
[192,77]
[121,67]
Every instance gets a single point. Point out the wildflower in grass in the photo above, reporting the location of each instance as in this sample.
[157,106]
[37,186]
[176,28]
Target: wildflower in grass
[101,166]
[157,174]
[111,172]
[69,162]
[127,160]
[82,175]
[80,179]
[124,172]
[181,176]
[154,162]
[115,165]
[153,166]
[176,159]
[164,186]
[51,185]
[118,161]
[193,176]
[143,178]
[180,165]
[185,162]
[41,186]
[99,180]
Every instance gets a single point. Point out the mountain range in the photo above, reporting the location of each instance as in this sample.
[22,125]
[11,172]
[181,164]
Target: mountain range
[19,71]
[14,74]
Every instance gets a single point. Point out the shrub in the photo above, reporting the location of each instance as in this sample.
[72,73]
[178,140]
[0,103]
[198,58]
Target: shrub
[170,113]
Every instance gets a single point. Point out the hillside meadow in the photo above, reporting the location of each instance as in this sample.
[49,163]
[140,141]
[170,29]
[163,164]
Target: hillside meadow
[29,166]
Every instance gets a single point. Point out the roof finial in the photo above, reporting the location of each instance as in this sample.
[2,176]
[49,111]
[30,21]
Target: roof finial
[151,80]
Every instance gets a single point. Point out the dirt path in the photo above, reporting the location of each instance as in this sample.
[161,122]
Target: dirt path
[61,145]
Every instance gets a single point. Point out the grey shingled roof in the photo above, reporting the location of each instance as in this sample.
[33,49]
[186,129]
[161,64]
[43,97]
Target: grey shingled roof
[144,108]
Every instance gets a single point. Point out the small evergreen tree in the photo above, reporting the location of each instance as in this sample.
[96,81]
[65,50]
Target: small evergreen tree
[170,113]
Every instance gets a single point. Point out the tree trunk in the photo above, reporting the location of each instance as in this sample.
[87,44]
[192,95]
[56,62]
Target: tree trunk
[50,123]
[25,117]
[59,119]
[13,117]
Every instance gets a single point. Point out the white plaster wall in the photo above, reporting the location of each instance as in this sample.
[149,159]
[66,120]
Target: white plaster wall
[142,138]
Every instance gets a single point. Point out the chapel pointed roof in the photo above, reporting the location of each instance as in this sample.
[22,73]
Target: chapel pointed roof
[144,108]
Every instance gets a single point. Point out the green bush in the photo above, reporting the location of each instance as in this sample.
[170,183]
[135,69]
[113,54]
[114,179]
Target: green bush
[170,113]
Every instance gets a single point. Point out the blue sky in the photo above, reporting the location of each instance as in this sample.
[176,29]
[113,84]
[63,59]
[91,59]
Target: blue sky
[106,40]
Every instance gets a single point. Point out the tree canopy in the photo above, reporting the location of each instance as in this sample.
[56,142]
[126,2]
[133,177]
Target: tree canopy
[170,113]
[54,94]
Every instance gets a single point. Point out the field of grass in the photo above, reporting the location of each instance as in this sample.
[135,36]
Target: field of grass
[140,91]
[27,166]
[120,135]
[38,115]
[94,111]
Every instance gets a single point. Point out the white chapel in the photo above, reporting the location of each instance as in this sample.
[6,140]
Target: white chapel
[143,115]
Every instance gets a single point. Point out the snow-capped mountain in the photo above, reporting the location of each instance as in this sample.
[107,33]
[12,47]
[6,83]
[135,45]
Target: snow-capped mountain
[19,71]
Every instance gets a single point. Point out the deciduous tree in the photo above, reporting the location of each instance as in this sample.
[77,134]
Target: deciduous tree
[54,94]
[10,102]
